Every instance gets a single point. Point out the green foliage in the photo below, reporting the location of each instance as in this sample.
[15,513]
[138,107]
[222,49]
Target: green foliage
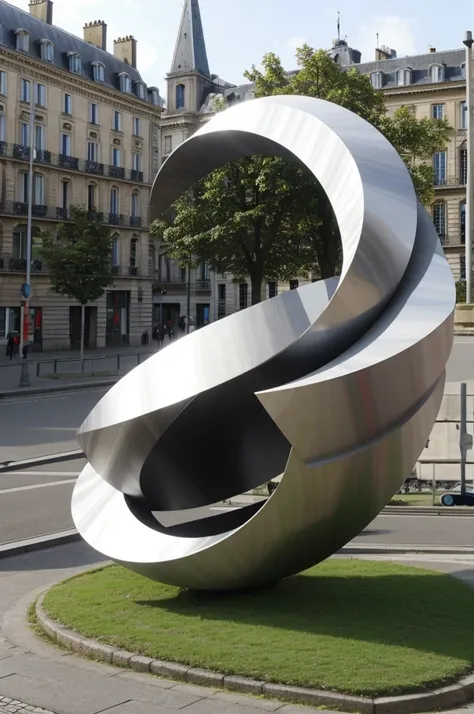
[267,218]
[79,257]
[461,291]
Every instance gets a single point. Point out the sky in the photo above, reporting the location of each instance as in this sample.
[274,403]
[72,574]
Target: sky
[239,32]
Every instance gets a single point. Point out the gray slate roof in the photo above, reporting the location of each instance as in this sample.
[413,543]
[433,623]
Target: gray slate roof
[190,50]
[419,64]
[12,19]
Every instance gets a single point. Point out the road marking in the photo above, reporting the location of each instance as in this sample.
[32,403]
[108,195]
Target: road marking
[36,485]
[40,473]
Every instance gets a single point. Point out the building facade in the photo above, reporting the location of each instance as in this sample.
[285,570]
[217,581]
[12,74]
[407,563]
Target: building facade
[432,83]
[96,144]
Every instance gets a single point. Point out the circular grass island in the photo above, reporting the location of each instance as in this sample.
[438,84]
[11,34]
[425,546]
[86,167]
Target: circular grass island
[358,627]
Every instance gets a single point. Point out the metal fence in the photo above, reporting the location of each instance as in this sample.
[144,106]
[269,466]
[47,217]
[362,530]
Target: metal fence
[90,364]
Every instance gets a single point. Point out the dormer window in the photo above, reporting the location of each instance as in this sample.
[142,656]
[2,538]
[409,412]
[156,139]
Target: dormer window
[47,50]
[249,95]
[125,82]
[98,72]
[404,77]
[22,40]
[75,62]
[155,96]
[463,70]
[140,90]
[376,79]
[437,72]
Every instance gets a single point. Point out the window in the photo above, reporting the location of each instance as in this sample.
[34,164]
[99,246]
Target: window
[463,115]
[93,113]
[221,297]
[155,97]
[116,156]
[439,164]
[293,284]
[47,51]
[403,77]
[463,70]
[23,186]
[137,130]
[463,166]
[38,190]
[67,103]
[462,267]
[98,72]
[3,322]
[22,41]
[3,128]
[92,151]
[437,73]
[272,289]
[114,200]
[462,221]
[65,145]
[140,90]
[180,96]
[39,137]
[135,204]
[376,80]
[65,194]
[40,95]
[439,219]
[24,134]
[168,145]
[117,121]
[133,252]
[437,111]
[125,82]
[115,250]
[75,63]
[25,90]
[3,83]
[137,162]
[243,296]
[91,196]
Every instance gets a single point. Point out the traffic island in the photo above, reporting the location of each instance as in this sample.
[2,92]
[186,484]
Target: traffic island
[348,634]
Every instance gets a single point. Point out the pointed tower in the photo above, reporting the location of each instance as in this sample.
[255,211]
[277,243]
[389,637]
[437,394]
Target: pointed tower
[189,80]
[190,50]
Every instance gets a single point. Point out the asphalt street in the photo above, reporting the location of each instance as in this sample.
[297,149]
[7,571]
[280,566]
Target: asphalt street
[36,502]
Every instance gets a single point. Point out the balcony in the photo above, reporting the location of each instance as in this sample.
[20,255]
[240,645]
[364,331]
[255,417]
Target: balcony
[57,213]
[70,163]
[12,264]
[130,271]
[450,182]
[171,285]
[202,287]
[135,221]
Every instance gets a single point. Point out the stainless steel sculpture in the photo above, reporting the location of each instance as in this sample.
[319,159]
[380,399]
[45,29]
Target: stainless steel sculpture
[336,384]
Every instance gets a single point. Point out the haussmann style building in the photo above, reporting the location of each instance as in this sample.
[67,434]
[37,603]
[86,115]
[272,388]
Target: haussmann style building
[97,144]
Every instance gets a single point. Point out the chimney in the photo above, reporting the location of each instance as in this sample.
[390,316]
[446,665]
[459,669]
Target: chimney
[96,34]
[125,49]
[384,53]
[432,50]
[42,9]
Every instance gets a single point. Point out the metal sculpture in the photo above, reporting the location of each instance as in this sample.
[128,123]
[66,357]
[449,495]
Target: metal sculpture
[335,385]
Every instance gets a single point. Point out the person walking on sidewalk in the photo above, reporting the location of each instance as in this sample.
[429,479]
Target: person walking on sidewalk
[10,345]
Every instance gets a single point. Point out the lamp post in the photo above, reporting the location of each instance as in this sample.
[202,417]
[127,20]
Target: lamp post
[26,288]
[469,232]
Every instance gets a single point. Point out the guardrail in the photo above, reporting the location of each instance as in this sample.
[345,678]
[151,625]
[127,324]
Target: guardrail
[56,362]
[7,466]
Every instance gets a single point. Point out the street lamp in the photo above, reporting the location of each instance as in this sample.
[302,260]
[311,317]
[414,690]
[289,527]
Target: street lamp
[469,232]
[26,288]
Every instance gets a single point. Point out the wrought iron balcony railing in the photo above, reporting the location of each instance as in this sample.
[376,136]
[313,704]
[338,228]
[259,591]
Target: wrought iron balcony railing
[10,263]
[71,163]
[56,213]
[450,181]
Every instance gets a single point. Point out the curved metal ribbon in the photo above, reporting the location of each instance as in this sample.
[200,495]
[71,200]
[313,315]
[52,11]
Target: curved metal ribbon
[336,384]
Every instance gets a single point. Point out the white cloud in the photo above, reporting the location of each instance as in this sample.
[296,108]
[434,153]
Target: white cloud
[396,32]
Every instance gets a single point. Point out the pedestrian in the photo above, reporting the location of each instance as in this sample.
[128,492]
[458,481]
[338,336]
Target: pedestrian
[10,345]
[16,344]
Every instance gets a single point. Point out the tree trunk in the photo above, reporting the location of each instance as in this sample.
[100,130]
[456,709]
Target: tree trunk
[329,247]
[83,320]
[256,283]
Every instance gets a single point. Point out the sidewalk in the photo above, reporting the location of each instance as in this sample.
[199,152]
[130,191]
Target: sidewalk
[42,676]
[99,365]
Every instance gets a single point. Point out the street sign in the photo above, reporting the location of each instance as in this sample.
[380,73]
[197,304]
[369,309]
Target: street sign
[25,291]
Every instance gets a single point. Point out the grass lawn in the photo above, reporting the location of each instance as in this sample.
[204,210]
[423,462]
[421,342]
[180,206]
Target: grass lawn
[351,626]
[417,499]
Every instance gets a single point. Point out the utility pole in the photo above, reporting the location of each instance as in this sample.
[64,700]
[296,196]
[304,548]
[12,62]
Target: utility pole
[469,233]
[26,288]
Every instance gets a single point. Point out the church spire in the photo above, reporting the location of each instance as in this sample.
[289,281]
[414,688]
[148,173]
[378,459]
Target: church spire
[190,50]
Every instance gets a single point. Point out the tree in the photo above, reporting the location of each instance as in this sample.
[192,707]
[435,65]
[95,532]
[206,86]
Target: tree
[79,259]
[268,218]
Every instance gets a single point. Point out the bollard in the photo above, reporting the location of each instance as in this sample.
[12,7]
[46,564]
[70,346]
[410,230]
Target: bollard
[118,362]
[93,365]
[82,365]
[55,367]
[38,367]
[25,375]
[139,358]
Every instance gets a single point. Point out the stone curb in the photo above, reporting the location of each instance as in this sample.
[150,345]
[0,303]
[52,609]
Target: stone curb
[29,391]
[32,544]
[452,696]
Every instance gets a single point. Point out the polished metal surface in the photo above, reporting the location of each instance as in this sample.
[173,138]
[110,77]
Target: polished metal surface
[335,385]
